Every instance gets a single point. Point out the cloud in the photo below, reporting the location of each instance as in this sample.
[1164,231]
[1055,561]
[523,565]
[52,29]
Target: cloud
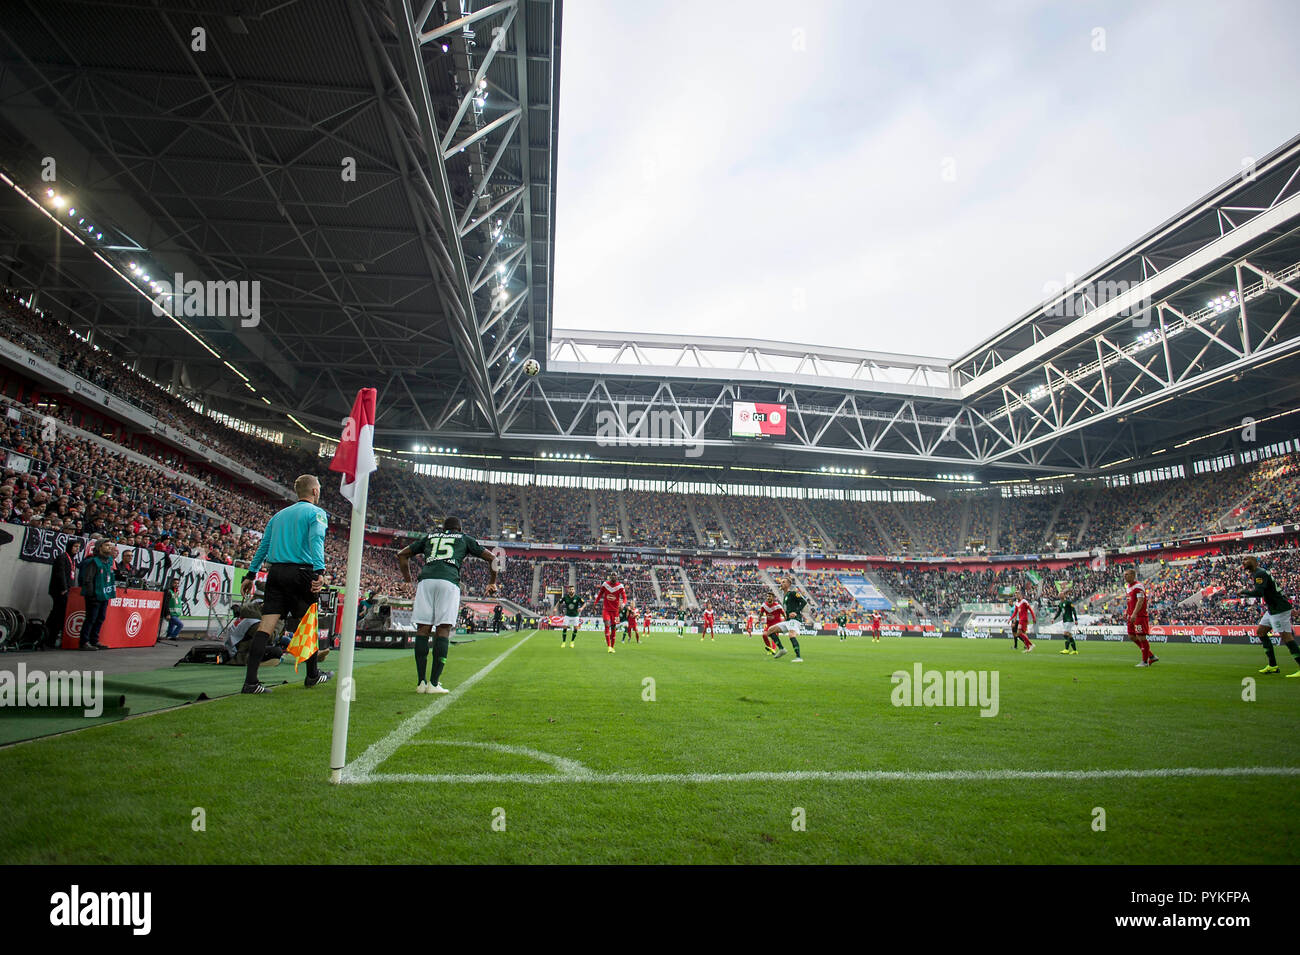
[914,177]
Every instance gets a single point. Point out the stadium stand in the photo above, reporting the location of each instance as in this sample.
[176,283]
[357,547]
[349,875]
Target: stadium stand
[95,478]
[659,520]
[732,590]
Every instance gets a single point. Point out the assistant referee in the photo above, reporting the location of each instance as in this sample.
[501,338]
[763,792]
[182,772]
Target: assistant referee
[294,547]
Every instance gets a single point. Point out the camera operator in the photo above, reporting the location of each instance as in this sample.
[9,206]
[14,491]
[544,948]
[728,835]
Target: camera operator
[239,642]
[379,617]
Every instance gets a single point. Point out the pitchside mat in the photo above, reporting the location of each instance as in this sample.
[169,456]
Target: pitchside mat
[107,699]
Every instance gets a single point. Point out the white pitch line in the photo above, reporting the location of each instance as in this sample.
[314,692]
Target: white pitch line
[360,768]
[868,775]
[569,767]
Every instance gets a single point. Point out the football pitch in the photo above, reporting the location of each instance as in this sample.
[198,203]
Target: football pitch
[678,751]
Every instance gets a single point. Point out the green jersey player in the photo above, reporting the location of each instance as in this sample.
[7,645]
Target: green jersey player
[792,605]
[1277,614]
[437,595]
[1065,613]
[570,606]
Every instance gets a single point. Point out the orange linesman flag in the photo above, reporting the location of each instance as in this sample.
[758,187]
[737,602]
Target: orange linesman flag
[304,641]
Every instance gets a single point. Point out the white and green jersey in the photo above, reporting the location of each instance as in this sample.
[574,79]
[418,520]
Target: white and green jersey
[444,552]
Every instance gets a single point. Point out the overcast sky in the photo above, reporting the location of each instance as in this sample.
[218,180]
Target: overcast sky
[901,177]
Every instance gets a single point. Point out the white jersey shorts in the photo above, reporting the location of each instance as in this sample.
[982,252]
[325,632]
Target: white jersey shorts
[572,623]
[790,626]
[437,602]
[1278,622]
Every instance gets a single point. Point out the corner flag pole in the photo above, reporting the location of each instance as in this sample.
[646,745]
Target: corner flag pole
[345,693]
[354,458]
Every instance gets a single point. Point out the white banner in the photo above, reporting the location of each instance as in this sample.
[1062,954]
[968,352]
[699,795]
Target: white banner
[205,584]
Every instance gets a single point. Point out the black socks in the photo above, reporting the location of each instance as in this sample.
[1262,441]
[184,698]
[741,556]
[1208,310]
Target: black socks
[255,654]
[440,647]
[1268,649]
[421,654]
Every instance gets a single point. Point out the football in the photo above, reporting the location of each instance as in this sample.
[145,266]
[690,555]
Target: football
[531,367]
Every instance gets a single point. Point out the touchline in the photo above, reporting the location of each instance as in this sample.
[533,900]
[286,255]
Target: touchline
[75,908]
[64,688]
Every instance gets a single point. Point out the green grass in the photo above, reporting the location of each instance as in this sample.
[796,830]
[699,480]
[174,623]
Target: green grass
[258,766]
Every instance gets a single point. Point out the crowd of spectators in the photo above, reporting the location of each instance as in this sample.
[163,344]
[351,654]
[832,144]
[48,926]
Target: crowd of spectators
[1200,503]
[940,592]
[1207,589]
[981,524]
[1124,515]
[555,574]
[849,525]
[43,335]
[830,597]
[1024,531]
[609,528]
[933,527]
[55,480]
[1074,508]
[756,523]
[510,511]
[560,514]
[732,590]
[178,504]
[1272,494]
[514,582]
[891,519]
[659,520]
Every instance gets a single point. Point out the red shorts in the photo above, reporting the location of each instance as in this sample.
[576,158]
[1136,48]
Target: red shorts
[1139,629]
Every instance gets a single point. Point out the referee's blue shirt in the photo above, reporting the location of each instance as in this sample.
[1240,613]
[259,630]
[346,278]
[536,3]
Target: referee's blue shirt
[295,535]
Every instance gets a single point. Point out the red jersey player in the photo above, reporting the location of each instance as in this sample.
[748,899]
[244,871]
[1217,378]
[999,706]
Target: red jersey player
[1021,611]
[645,623]
[773,613]
[708,624]
[749,623]
[1135,614]
[611,596]
[875,626]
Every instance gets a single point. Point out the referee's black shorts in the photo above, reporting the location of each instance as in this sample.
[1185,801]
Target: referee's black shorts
[288,590]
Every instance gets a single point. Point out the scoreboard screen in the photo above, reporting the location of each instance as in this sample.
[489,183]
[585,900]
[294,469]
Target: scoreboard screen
[756,419]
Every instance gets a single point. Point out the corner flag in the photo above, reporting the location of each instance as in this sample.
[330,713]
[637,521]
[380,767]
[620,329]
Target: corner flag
[355,454]
[355,458]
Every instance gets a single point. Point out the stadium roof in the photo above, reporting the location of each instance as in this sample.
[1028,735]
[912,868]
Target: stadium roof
[429,275]
[215,141]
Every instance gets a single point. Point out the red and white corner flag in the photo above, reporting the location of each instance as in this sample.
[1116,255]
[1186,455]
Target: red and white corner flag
[355,454]
[355,458]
